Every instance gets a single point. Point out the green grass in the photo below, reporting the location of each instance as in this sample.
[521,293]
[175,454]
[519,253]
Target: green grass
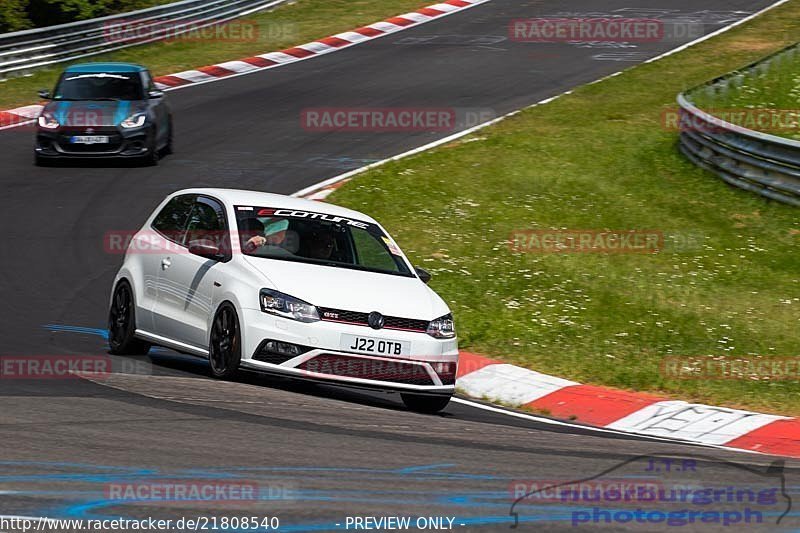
[600,158]
[776,86]
[286,26]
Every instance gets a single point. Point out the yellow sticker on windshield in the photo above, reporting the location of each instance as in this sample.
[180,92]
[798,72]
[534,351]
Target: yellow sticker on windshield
[392,246]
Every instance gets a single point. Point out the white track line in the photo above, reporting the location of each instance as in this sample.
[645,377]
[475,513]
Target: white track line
[553,422]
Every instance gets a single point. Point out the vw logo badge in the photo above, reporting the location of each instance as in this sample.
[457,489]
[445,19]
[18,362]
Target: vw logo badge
[376,320]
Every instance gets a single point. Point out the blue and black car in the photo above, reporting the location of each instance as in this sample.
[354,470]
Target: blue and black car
[104,110]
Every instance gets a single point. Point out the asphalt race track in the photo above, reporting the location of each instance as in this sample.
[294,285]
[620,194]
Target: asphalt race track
[323,453]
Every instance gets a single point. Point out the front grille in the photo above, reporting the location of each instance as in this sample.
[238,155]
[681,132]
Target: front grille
[339,315]
[114,144]
[360,319]
[372,369]
[410,324]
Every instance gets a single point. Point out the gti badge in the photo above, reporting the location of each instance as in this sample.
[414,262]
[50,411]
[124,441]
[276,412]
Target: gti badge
[376,320]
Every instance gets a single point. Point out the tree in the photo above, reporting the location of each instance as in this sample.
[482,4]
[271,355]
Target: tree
[21,14]
[82,9]
[13,15]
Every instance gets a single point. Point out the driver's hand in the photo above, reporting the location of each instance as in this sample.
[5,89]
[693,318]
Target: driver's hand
[255,242]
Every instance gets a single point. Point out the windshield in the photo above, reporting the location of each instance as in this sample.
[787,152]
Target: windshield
[317,238]
[99,86]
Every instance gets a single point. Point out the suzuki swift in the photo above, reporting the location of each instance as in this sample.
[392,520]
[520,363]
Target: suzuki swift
[282,285]
[102,110]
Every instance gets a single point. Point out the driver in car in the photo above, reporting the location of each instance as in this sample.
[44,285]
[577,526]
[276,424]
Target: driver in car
[273,236]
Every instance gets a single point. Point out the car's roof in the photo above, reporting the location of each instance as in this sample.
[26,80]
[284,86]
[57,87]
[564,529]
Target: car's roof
[264,199]
[105,67]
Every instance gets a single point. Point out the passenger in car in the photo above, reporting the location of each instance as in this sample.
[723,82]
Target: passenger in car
[321,245]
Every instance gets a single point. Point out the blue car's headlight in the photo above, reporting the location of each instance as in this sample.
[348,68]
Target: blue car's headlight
[277,303]
[48,121]
[134,121]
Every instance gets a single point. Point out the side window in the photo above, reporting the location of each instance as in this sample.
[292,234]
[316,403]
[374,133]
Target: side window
[371,253]
[207,222]
[171,221]
[147,82]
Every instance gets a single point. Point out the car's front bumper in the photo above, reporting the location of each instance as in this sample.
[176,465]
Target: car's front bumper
[430,368]
[122,143]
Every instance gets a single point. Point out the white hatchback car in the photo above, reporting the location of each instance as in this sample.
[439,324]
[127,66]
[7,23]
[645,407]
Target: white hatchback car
[283,285]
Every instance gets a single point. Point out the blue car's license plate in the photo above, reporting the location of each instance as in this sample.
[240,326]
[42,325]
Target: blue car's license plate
[89,139]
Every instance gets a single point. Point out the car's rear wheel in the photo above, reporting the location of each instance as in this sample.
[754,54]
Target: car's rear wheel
[122,324]
[225,346]
[422,403]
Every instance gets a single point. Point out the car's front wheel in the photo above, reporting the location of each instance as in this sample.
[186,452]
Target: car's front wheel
[225,346]
[40,161]
[168,148]
[151,158]
[425,404]
[122,324]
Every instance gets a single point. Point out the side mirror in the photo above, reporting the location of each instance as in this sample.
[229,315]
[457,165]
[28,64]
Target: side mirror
[206,249]
[155,94]
[44,93]
[423,274]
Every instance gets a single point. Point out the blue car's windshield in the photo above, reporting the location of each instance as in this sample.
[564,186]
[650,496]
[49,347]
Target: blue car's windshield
[99,86]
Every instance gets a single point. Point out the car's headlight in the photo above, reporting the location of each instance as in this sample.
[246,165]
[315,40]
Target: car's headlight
[134,121]
[277,303]
[48,121]
[443,327]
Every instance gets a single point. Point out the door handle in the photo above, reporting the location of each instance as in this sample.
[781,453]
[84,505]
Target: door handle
[165,263]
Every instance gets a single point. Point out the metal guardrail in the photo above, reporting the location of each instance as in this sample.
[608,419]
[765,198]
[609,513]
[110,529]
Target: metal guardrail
[24,51]
[758,162]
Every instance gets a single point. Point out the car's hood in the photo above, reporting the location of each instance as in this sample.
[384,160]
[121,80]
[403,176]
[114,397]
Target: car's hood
[91,113]
[352,290]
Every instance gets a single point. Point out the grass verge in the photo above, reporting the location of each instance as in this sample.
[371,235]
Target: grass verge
[773,90]
[725,286]
[286,26]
